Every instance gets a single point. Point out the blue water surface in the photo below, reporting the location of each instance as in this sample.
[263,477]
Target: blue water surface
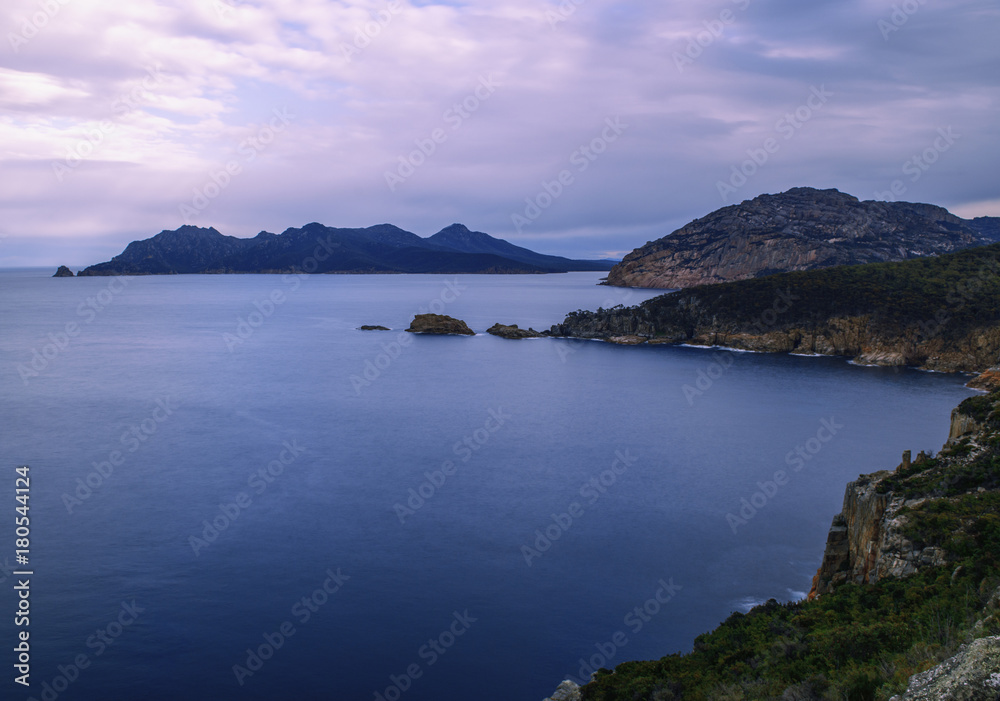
[257,447]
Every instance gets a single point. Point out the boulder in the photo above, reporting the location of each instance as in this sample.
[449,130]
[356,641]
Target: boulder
[512,331]
[567,691]
[439,324]
[988,380]
[971,675]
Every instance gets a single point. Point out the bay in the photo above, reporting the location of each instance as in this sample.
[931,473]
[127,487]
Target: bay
[258,394]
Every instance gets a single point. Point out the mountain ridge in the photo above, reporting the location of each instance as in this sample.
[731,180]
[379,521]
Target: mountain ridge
[316,248]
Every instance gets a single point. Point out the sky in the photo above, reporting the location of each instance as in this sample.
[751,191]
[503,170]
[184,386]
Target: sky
[582,128]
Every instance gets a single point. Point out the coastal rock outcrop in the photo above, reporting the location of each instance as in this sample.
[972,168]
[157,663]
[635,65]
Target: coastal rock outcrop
[512,331]
[63,271]
[988,380]
[866,541]
[802,229]
[567,691]
[439,324]
[971,675]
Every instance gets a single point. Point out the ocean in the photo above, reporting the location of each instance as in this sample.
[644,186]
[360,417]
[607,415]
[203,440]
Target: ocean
[236,494]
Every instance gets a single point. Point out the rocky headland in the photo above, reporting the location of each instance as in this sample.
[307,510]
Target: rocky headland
[940,313]
[802,229]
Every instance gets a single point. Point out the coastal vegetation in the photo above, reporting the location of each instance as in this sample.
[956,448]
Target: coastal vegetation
[861,641]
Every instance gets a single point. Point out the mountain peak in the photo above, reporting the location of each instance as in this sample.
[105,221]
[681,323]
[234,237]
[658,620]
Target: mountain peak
[801,229]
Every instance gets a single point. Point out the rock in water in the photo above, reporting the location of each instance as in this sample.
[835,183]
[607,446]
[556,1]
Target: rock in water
[439,324]
[63,272]
[369,327]
[512,331]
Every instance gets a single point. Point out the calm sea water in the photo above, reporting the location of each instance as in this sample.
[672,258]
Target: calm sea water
[256,448]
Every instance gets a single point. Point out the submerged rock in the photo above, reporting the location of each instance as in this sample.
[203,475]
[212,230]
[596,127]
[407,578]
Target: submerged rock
[63,272]
[439,324]
[512,331]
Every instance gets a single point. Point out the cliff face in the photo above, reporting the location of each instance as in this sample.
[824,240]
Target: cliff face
[870,539]
[802,229]
[866,542]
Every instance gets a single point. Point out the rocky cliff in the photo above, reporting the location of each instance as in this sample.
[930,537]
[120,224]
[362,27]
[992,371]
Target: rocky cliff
[871,538]
[802,229]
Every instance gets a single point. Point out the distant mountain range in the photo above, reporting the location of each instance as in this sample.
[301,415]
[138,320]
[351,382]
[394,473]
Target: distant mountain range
[802,229]
[315,248]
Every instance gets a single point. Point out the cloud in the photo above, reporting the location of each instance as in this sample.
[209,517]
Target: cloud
[187,86]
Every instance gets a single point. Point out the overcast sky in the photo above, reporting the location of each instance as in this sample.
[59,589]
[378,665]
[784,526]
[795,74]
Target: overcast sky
[584,128]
